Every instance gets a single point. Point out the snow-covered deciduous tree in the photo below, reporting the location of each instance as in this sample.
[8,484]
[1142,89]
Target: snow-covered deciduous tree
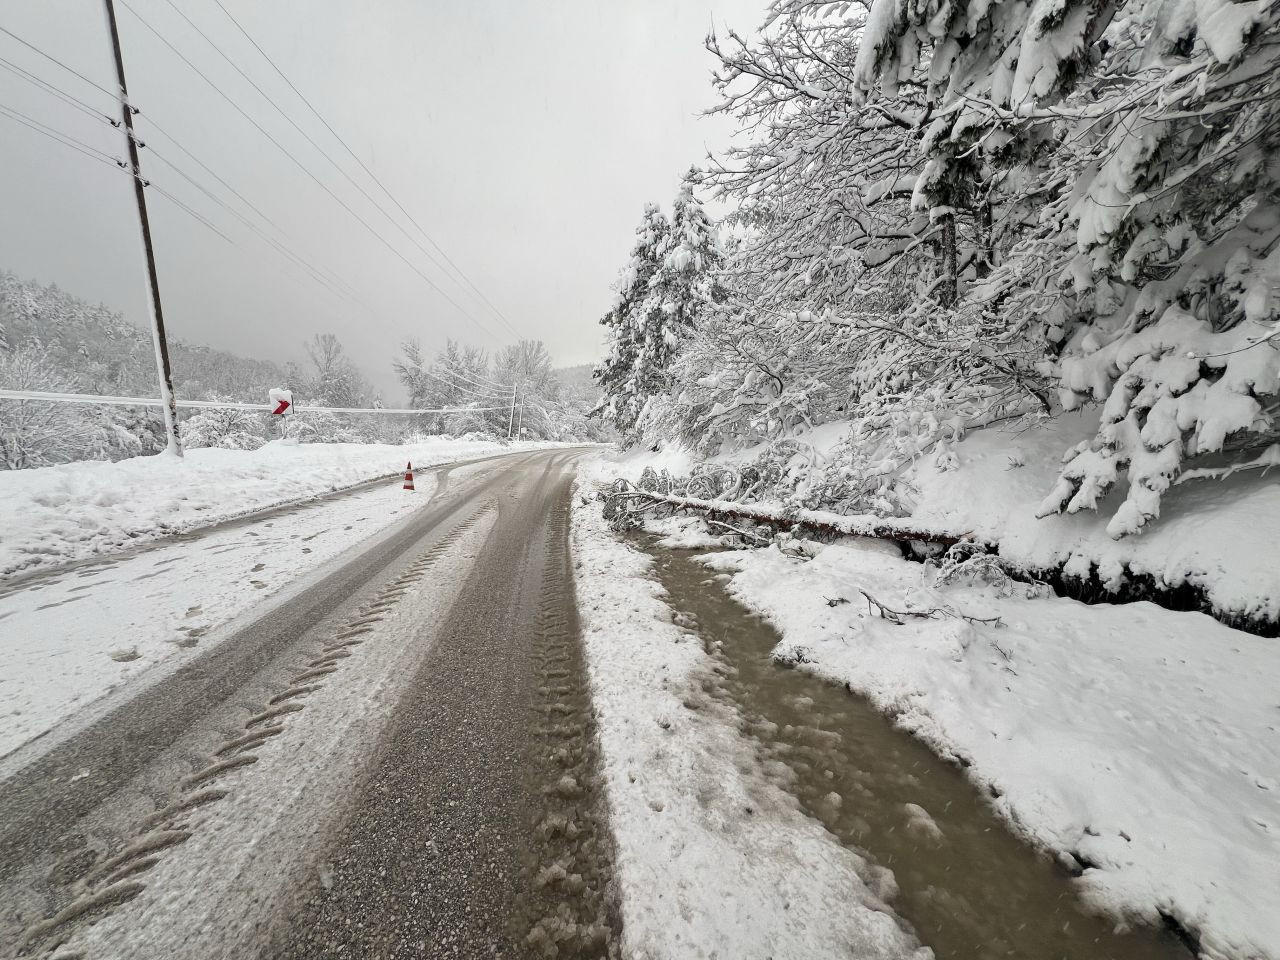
[35,433]
[457,378]
[333,380]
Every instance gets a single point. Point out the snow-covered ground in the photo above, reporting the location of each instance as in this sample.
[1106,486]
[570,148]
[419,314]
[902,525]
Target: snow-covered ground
[1221,535]
[55,514]
[72,637]
[713,860]
[1146,742]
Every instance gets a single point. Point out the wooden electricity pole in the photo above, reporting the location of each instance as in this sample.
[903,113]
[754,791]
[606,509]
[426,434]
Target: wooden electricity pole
[161,345]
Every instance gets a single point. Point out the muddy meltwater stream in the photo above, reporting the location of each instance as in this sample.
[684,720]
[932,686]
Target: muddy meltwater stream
[967,886]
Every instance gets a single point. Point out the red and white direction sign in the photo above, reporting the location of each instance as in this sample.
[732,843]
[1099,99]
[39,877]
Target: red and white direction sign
[283,399]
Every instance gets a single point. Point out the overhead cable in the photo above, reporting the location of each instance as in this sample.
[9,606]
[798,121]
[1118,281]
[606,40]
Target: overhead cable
[372,176]
[301,166]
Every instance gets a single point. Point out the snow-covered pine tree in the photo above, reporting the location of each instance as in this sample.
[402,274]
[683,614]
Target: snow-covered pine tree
[1175,271]
[617,373]
[683,291]
[1147,136]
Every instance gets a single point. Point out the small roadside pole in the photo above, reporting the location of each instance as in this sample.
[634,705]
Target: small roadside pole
[169,403]
[283,401]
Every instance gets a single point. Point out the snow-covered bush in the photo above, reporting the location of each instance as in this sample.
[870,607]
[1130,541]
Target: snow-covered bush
[320,426]
[226,427]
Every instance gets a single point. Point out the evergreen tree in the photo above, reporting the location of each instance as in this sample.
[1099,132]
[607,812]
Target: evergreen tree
[685,283]
[617,372]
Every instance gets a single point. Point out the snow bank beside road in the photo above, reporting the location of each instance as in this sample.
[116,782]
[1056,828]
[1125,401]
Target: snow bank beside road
[1145,742]
[713,861]
[1222,536]
[68,512]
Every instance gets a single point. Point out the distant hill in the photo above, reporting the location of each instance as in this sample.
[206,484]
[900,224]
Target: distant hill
[55,342]
[578,376]
[96,350]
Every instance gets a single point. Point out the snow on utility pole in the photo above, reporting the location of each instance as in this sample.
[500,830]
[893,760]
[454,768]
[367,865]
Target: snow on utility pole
[161,345]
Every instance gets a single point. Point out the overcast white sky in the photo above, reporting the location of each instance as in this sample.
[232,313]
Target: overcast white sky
[524,135]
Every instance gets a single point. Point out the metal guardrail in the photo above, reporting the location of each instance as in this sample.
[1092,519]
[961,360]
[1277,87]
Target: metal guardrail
[95,399]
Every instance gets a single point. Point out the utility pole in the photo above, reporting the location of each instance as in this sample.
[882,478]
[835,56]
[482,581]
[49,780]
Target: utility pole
[520,422]
[161,345]
[511,420]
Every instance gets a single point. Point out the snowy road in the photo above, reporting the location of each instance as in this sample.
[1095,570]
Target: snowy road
[411,719]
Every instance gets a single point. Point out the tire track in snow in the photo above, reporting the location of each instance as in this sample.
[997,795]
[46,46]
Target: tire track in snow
[121,878]
[572,899]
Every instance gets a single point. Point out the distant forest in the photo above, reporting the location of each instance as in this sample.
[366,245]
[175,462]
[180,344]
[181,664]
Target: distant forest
[53,341]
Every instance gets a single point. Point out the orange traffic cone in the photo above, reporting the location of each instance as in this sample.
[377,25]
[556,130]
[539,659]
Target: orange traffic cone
[408,476]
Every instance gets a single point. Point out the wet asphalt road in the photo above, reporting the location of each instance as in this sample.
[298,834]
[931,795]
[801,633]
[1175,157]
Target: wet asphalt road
[463,805]
[437,859]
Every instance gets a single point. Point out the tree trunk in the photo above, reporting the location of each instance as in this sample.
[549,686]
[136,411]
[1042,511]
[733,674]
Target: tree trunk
[949,291]
[986,259]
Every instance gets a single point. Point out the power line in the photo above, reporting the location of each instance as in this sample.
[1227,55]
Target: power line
[191,213]
[52,89]
[93,153]
[67,140]
[36,49]
[303,168]
[306,136]
[342,286]
[482,379]
[478,380]
[372,176]
[465,386]
[150,121]
[55,91]
[262,234]
[472,378]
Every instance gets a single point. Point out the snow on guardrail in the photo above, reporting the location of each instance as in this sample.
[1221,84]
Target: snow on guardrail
[88,398]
